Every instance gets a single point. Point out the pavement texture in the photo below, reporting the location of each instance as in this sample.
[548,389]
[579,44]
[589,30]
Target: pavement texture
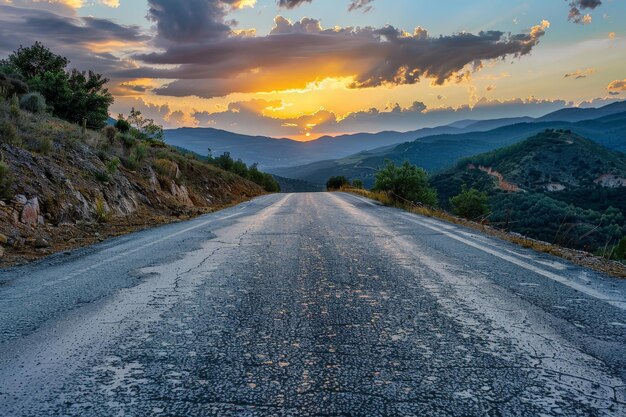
[310,305]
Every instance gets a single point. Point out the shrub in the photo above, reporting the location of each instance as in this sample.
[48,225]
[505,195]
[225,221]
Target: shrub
[166,168]
[100,210]
[130,163]
[139,153]
[101,176]
[45,146]
[335,183]
[470,203]
[6,181]
[619,252]
[225,161]
[102,155]
[15,108]
[406,183]
[33,102]
[112,165]
[357,183]
[110,132]
[122,125]
[127,140]
[8,134]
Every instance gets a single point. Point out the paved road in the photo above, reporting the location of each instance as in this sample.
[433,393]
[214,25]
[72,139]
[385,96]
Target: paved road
[310,304]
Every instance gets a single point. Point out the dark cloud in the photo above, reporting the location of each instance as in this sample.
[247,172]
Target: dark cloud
[290,4]
[365,5]
[616,87]
[580,74]
[294,54]
[75,37]
[576,10]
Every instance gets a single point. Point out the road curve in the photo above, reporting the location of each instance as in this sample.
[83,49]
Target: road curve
[310,305]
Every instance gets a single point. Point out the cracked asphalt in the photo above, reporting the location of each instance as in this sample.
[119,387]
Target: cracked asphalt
[310,305]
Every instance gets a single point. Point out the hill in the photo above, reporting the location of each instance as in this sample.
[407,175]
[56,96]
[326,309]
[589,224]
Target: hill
[276,153]
[438,152]
[555,186]
[62,186]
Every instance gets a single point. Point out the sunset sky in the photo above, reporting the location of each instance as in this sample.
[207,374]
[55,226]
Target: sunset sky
[306,68]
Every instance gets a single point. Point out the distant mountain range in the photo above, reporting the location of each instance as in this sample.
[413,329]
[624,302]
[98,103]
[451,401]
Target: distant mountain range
[275,153]
[606,126]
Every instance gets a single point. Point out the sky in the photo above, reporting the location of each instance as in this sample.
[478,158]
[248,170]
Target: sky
[306,68]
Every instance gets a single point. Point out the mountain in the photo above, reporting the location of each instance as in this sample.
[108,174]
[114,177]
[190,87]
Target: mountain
[574,188]
[437,152]
[277,153]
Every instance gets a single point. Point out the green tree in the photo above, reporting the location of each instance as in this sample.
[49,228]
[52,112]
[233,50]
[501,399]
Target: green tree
[406,182]
[470,203]
[357,183]
[335,183]
[73,95]
[144,128]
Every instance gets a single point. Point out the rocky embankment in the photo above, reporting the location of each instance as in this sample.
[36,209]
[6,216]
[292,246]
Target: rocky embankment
[82,187]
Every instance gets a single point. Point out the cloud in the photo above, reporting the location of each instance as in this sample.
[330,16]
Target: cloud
[255,117]
[577,6]
[616,87]
[84,40]
[365,5]
[578,74]
[290,4]
[53,4]
[211,62]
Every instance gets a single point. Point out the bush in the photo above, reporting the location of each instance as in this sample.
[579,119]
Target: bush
[112,165]
[8,134]
[33,102]
[619,252]
[335,183]
[15,108]
[470,203]
[100,210]
[225,161]
[130,163]
[6,181]
[45,146]
[139,153]
[127,140]
[406,183]
[357,183]
[166,168]
[110,132]
[101,176]
[122,125]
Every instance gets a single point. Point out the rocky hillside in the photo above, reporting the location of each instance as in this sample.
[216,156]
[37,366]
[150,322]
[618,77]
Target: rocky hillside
[63,186]
[555,186]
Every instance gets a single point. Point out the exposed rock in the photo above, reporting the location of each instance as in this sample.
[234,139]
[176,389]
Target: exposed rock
[610,181]
[41,243]
[30,212]
[555,186]
[1,251]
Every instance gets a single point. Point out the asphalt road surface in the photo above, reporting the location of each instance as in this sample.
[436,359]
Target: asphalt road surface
[310,305]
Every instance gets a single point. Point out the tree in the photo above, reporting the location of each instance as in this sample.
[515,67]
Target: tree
[122,124]
[335,183]
[144,128]
[405,182]
[72,95]
[470,203]
[357,183]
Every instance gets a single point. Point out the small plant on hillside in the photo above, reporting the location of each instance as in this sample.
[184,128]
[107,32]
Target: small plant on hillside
[110,132]
[335,183]
[619,252]
[15,108]
[8,134]
[357,183]
[406,183]
[100,210]
[130,163]
[112,165]
[103,177]
[166,168]
[122,124]
[45,145]
[33,102]
[470,203]
[6,181]
[225,161]
[127,140]
[139,152]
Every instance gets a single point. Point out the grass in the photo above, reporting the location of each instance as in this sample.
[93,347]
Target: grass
[585,259]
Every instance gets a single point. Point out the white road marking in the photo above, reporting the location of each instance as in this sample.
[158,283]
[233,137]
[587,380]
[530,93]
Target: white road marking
[555,277]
